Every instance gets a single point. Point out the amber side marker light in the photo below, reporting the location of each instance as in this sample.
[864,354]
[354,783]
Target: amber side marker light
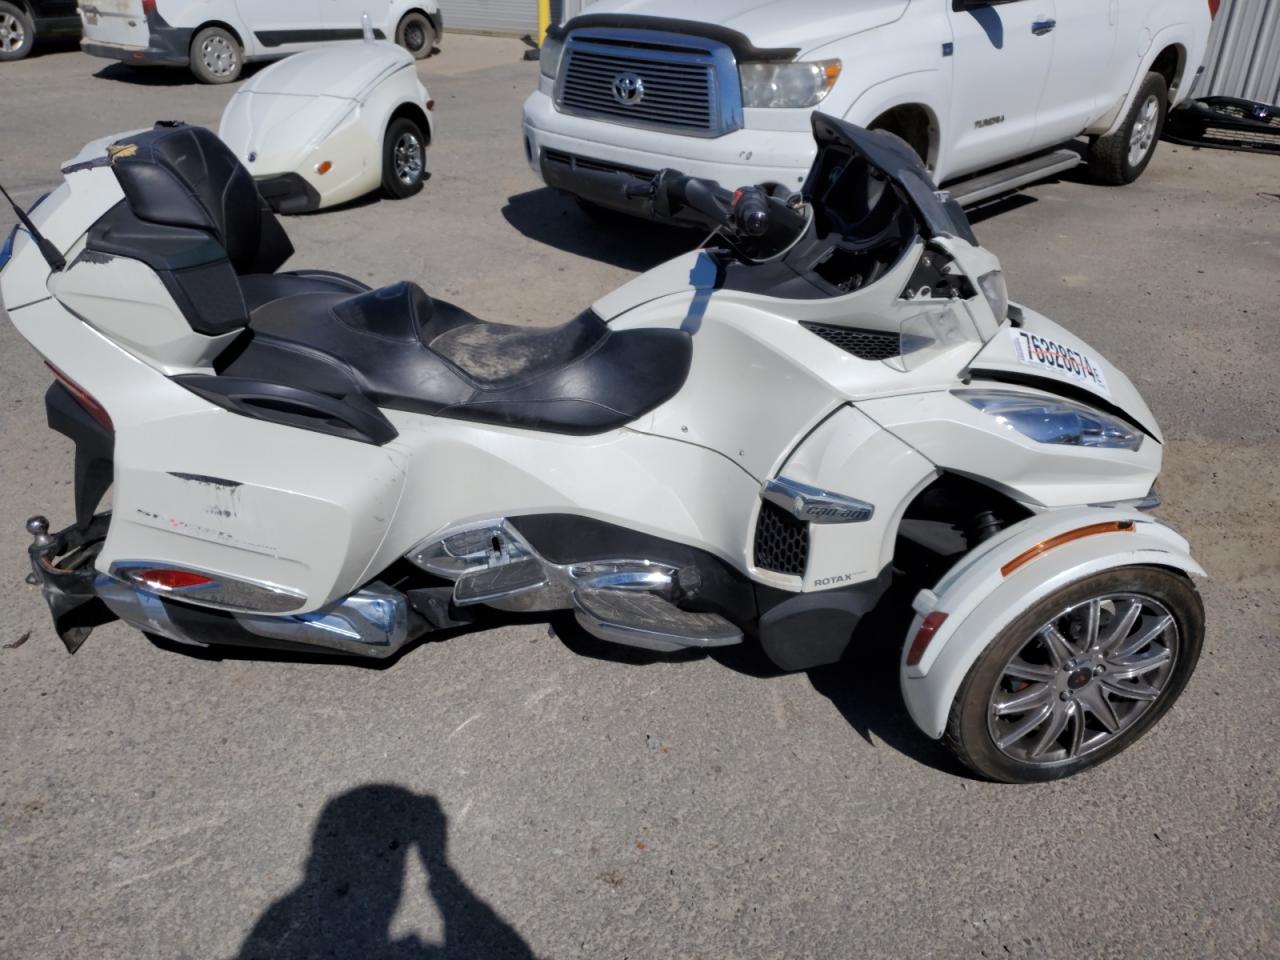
[1044,546]
[323,167]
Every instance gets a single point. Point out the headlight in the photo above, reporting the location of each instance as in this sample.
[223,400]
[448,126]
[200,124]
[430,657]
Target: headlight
[787,84]
[1051,420]
[994,289]
[549,56]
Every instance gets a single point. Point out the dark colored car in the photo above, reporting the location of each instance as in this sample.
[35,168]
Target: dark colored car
[21,21]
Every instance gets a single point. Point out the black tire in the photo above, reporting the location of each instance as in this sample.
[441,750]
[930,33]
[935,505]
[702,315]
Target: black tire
[416,35]
[216,56]
[902,140]
[1110,159]
[401,175]
[17,32]
[969,725]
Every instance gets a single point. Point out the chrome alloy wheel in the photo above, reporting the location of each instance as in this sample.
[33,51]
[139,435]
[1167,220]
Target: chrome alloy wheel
[1083,678]
[407,159]
[1144,130]
[218,56]
[12,34]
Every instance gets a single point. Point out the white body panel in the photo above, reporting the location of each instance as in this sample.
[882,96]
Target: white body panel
[980,602]
[266,30]
[767,403]
[992,89]
[331,105]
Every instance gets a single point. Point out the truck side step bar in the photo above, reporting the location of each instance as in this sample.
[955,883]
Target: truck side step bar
[646,620]
[987,185]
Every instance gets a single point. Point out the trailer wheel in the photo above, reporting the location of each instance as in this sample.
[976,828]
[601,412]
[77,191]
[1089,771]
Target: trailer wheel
[1079,676]
[404,159]
[17,32]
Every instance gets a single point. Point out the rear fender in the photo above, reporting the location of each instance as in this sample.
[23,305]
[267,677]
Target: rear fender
[980,600]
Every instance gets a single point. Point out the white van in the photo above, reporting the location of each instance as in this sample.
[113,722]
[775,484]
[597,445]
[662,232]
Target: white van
[215,38]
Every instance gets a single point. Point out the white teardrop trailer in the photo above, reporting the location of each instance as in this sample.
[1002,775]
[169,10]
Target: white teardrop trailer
[750,442]
[330,125]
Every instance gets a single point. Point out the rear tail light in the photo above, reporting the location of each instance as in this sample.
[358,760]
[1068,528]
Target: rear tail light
[206,589]
[924,636]
[1213,8]
[148,7]
[84,398]
[163,579]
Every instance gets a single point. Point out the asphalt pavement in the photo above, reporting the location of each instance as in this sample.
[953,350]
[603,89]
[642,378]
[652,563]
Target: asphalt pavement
[512,794]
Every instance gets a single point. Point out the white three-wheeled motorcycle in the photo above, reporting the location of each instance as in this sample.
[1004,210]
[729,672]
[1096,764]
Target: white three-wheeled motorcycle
[752,440]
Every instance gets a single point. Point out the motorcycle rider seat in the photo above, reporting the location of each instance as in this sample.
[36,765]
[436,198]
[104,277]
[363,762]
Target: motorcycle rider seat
[192,212]
[404,351]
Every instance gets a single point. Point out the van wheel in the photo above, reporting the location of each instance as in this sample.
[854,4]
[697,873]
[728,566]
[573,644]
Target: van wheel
[17,32]
[216,56]
[416,35]
[1121,156]
[404,159]
[1079,676]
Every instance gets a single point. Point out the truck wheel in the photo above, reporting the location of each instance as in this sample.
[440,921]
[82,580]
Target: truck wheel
[1121,156]
[17,32]
[216,56]
[404,159]
[416,35]
[1079,676]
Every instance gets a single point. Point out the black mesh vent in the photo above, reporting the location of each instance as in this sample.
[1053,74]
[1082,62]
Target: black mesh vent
[782,541]
[864,344]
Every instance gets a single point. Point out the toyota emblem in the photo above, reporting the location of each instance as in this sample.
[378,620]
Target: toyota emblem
[628,89]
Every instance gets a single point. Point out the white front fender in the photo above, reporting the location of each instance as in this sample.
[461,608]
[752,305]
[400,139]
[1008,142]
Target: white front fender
[979,600]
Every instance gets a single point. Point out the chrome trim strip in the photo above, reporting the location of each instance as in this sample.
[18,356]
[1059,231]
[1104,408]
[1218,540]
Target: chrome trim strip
[224,593]
[814,504]
[372,622]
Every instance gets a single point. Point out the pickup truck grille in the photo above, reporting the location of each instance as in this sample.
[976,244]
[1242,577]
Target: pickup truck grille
[653,80]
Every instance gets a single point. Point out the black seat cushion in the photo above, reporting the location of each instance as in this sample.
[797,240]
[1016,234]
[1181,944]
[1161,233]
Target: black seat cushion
[259,289]
[405,351]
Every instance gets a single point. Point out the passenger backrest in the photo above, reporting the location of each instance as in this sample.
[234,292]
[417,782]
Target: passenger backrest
[186,177]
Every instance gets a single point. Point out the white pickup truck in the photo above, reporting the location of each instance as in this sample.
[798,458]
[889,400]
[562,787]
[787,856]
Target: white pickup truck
[982,90]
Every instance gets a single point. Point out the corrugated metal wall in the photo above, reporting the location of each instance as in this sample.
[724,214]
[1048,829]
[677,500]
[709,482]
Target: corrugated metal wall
[491,16]
[1244,52]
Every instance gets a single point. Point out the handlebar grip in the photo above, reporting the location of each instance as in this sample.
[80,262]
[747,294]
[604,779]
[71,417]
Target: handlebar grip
[751,211]
[705,196]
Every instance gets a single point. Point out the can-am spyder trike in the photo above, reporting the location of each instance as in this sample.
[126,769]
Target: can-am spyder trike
[749,441]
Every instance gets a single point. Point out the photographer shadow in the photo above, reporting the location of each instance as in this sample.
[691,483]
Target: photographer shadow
[354,881]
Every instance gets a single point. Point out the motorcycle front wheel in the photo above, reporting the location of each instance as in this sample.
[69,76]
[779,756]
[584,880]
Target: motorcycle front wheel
[1078,677]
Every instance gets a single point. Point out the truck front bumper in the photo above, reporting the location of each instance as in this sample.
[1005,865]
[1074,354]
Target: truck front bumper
[570,153]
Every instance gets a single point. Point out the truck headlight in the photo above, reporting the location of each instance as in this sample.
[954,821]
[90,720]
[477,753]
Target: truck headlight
[787,84]
[549,56]
[1053,420]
